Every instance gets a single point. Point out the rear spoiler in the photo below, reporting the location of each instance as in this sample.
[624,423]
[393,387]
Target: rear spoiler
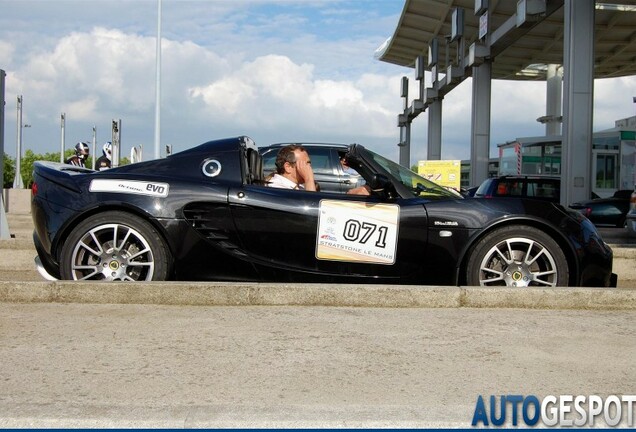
[59,173]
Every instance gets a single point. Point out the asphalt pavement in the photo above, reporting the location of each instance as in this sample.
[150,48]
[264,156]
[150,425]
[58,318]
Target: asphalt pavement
[119,366]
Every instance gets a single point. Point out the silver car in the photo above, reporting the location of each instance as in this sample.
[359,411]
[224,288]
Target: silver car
[630,219]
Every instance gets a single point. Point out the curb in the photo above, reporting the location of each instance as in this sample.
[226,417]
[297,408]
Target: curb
[17,244]
[624,251]
[260,294]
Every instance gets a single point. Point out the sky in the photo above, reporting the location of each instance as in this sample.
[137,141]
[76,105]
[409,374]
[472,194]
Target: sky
[274,70]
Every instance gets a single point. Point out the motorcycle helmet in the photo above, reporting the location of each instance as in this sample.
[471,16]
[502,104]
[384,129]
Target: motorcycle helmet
[82,150]
[108,150]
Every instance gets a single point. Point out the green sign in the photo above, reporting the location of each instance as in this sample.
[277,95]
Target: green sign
[628,135]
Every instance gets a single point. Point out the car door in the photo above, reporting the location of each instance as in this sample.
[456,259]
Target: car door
[324,234]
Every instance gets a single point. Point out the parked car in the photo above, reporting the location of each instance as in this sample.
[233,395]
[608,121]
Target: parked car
[206,214]
[606,211]
[325,161]
[631,214]
[536,187]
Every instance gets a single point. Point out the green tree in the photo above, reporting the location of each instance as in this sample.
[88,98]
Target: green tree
[8,166]
[29,158]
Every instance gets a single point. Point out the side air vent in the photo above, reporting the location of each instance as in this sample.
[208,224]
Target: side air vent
[202,219]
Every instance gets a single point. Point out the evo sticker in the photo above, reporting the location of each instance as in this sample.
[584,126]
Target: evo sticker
[357,232]
[130,186]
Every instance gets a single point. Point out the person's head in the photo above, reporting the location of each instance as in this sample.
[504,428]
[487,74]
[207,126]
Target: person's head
[81,150]
[343,161]
[286,161]
[107,150]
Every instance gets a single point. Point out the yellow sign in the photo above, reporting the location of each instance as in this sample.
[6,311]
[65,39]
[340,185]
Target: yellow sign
[445,173]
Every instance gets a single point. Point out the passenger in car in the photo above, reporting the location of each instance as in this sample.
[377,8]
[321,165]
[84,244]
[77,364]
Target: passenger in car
[293,169]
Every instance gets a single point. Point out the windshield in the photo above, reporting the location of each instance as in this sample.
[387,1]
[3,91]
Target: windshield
[419,186]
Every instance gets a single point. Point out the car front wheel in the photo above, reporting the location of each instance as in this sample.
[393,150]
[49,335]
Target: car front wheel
[114,246]
[517,256]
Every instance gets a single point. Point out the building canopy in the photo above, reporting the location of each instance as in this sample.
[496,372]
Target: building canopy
[525,58]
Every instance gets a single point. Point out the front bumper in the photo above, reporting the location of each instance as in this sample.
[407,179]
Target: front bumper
[40,268]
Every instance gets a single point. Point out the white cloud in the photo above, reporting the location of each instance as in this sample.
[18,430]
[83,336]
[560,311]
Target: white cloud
[272,92]
[107,74]
[332,95]
[6,52]
[82,109]
[226,96]
[613,100]
[104,65]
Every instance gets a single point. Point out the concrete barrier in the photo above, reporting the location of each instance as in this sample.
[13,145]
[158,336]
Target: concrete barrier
[17,200]
[262,294]
[624,264]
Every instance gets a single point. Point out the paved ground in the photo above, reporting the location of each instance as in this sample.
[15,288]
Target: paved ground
[74,365]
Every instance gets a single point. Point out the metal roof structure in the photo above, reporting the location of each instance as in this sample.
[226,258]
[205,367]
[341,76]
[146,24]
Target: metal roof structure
[524,57]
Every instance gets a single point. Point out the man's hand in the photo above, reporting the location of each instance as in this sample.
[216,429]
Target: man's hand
[306,174]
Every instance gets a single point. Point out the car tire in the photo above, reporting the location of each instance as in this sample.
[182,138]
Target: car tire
[115,246]
[517,256]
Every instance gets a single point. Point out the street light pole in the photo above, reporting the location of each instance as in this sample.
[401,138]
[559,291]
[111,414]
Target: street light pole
[94,145]
[4,225]
[62,137]
[17,181]
[158,86]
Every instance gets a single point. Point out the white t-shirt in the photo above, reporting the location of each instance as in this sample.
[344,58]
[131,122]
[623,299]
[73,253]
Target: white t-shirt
[278,181]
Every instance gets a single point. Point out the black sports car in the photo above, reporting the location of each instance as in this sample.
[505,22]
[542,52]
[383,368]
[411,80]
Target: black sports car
[610,211]
[207,214]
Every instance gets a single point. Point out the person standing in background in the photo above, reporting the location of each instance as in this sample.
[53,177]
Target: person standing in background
[105,160]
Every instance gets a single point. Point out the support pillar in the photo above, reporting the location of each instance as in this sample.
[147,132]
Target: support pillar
[434,151]
[578,100]
[405,145]
[404,122]
[480,127]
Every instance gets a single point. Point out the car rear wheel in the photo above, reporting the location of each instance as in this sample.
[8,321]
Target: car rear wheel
[517,256]
[114,246]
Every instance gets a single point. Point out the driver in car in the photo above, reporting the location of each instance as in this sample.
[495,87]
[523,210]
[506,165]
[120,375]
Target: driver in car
[293,169]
